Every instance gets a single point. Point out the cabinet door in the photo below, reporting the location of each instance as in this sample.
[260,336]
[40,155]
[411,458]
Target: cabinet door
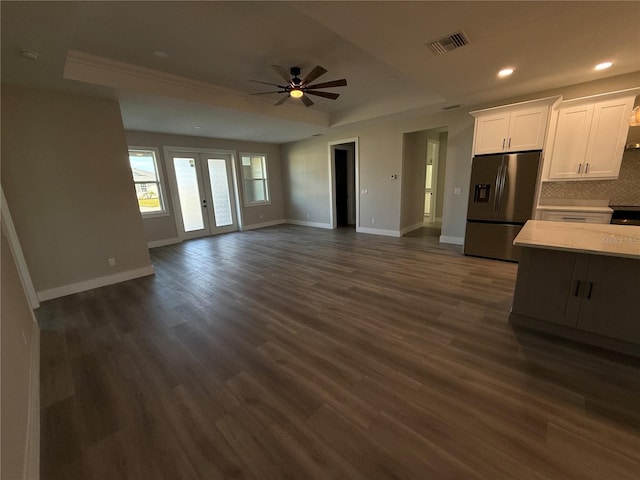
[612,306]
[607,137]
[547,286]
[527,129]
[570,144]
[491,134]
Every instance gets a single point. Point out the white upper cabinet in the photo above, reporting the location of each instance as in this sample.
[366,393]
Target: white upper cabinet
[491,133]
[512,128]
[589,137]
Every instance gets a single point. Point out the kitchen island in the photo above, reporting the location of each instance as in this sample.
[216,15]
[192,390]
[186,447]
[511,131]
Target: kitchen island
[580,281]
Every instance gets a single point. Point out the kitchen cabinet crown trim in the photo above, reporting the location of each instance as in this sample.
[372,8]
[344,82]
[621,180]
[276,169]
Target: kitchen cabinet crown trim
[570,102]
[548,101]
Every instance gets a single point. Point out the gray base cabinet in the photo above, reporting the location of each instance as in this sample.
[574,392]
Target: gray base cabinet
[592,298]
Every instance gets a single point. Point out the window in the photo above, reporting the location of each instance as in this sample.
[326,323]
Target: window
[148,181]
[254,177]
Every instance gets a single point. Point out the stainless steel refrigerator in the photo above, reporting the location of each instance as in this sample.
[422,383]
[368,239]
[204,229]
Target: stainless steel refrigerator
[501,199]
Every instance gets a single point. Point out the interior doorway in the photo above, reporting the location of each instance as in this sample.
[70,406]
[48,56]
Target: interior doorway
[343,159]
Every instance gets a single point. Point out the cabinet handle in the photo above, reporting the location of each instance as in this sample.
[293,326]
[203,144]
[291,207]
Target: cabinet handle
[590,290]
[575,294]
[503,140]
[579,167]
[509,145]
[586,168]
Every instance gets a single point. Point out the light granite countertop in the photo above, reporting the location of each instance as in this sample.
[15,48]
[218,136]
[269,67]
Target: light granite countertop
[591,238]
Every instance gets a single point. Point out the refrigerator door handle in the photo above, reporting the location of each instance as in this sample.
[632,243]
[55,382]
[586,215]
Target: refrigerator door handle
[496,194]
[502,173]
[502,180]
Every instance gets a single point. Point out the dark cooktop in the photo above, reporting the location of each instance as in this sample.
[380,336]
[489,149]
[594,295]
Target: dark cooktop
[625,214]
[625,208]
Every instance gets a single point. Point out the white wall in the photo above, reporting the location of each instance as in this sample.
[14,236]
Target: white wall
[307,190]
[158,229]
[66,176]
[19,375]
[442,172]
[413,178]
[381,154]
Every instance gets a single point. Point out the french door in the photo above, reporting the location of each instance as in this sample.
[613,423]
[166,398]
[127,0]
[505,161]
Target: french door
[203,194]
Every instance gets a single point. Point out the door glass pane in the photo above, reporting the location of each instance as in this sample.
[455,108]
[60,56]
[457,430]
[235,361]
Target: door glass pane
[189,193]
[429,176]
[220,191]
[427,203]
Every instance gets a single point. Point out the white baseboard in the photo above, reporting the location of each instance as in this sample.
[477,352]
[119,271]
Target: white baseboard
[379,231]
[452,240]
[31,467]
[411,228]
[162,243]
[94,283]
[255,226]
[309,224]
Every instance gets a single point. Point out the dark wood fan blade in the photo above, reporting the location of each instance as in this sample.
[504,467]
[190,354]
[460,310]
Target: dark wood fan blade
[267,83]
[335,83]
[282,72]
[313,74]
[306,100]
[330,95]
[282,100]
[265,93]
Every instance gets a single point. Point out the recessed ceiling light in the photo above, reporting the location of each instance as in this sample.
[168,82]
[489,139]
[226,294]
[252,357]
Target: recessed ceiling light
[505,72]
[603,66]
[160,54]
[393,79]
[197,127]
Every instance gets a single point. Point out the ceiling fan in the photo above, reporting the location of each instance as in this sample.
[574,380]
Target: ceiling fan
[297,88]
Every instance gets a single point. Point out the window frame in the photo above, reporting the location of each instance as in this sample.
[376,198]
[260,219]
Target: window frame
[265,179]
[160,181]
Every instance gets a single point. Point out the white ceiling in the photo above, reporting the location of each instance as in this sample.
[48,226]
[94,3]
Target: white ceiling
[214,48]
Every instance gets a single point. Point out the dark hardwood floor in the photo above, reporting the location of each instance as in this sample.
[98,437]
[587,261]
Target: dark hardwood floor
[301,353]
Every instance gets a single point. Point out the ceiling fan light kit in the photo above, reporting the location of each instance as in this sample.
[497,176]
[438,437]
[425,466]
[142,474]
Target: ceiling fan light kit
[297,88]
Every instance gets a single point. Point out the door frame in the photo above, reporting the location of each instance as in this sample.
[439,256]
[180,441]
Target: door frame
[333,220]
[168,152]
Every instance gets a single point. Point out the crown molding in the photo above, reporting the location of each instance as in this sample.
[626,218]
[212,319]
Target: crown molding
[88,68]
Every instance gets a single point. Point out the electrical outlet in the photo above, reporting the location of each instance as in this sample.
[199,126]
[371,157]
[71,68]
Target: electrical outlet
[457,191]
[111,261]
[260,216]
[373,220]
[307,214]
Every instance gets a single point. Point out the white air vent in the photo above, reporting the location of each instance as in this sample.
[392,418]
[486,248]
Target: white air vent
[446,44]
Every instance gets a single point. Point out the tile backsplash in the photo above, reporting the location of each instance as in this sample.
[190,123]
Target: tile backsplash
[623,191]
